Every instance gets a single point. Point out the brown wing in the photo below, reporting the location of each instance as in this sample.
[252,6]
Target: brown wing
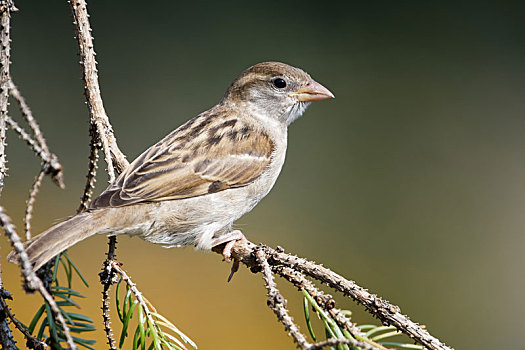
[207,154]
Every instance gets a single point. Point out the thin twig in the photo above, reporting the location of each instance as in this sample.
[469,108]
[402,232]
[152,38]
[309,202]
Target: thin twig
[50,164]
[107,278]
[333,342]
[91,175]
[277,302]
[327,303]
[33,144]
[102,136]
[6,7]
[30,204]
[115,159]
[389,314]
[6,337]
[133,287]
[32,281]
[31,342]
[28,115]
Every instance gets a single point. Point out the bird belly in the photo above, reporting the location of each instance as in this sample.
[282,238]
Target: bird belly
[196,221]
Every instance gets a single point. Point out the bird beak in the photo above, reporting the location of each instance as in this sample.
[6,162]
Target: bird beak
[313,91]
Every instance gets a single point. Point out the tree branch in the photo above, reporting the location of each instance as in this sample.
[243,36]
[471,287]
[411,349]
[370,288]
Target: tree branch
[277,302]
[6,6]
[333,342]
[107,278]
[101,130]
[32,342]
[28,115]
[327,303]
[6,337]
[245,252]
[31,202]
[115,266]
[388,313]
[92,173]
[38,144]
[50,164]
[115,159]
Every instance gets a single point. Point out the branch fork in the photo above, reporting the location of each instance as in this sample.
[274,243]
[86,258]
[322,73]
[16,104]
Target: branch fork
[264,259]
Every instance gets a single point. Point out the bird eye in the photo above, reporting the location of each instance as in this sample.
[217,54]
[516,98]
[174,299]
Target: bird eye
[279,83]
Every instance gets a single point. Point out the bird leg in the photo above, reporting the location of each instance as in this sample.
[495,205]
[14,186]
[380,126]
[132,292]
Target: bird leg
[230,239]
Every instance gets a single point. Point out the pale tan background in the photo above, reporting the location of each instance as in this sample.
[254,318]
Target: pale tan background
[411,182]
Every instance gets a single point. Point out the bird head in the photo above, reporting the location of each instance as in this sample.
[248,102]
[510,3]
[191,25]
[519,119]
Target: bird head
[276,90]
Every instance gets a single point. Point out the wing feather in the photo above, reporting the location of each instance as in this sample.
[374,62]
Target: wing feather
[208,154]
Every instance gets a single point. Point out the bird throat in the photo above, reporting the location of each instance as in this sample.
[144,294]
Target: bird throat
[295,111]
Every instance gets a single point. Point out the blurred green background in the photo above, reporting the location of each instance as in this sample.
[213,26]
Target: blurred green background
[411,182]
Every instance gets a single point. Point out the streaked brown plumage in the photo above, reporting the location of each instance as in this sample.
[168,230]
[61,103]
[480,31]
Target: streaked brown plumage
[209,153]
[190,187]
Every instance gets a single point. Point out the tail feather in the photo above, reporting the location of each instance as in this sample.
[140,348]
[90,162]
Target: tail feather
[58,238]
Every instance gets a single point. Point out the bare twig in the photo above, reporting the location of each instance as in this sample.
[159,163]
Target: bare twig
[389,314]
[32,342]
[328,304]
[38,144]
[91,175]
[6,7]
[32,281]
[28,115]
[277,302]
[30,204]
[32,143]
[115,159]
[102,136]
[50,164]
[133,287]
[6,337]
[107,278]
[333,342]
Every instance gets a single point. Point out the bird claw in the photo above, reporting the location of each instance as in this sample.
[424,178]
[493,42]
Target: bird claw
[235,268]
[227,252]
[230,239]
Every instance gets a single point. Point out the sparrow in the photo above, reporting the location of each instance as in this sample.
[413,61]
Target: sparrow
[191,186]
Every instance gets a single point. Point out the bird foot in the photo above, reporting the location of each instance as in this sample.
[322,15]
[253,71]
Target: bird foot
[230,239]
